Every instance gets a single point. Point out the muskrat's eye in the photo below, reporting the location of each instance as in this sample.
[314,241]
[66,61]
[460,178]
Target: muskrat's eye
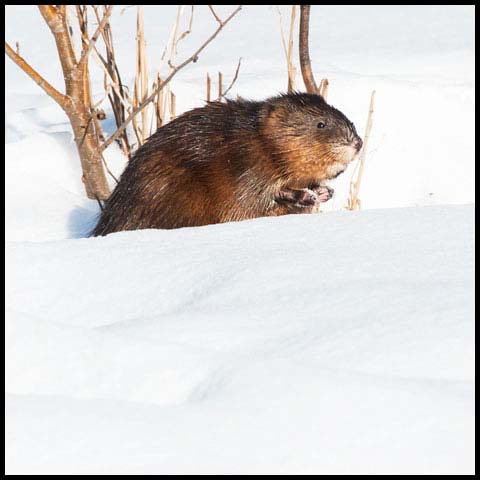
[320,125]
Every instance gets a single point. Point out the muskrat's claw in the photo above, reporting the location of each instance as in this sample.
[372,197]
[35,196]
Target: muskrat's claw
[306,198]
[323,192]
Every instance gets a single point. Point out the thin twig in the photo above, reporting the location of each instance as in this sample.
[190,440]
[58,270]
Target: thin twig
[94,38]
[193,58]
[117,96]
[187,31]
[215,15]
[174,37]
[113,83]
[234,78]
[108,170]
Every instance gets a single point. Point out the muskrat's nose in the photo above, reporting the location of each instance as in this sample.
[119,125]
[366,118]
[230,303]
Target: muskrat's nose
[358,143]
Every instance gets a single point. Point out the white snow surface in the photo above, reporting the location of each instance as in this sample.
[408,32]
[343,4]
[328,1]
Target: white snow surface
[335,343]
[338,343]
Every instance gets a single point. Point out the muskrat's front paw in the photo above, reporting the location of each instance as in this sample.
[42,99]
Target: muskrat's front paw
[300,198]
[306,198]
[323,192]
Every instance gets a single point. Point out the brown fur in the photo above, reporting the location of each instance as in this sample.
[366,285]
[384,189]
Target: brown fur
[230,161]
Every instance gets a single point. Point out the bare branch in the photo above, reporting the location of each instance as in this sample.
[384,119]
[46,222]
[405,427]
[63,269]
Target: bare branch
[36,77]
[101,26]
[48,11]
[193,58]
[187,31]
[59,29]
[215,15]
[305,63]
[76,103]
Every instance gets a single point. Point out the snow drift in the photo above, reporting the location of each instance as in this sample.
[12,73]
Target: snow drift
[335,343]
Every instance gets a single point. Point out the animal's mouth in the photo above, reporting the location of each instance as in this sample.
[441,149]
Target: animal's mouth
[351,153]
[340,164]
[338,173]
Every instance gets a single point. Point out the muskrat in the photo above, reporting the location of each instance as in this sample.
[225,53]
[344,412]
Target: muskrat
[233,160]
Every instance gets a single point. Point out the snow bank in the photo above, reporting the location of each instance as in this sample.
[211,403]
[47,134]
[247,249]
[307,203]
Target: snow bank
[335,343]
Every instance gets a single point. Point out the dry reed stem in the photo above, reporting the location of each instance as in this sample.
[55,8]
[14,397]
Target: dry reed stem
[113,82]
[162,98]
[86,50]
[353,200]
[209,86]
[291,66]
[172,105]
[288,50]
[323,88]
[117,95]
[141,80]
[160,114]
[219,86]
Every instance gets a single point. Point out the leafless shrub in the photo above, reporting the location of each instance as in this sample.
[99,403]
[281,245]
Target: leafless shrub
[77,103]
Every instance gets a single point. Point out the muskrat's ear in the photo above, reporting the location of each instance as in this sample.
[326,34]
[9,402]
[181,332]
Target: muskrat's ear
[275,111]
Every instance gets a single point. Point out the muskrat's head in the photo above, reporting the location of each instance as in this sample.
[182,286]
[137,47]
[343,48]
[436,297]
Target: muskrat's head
[310,139]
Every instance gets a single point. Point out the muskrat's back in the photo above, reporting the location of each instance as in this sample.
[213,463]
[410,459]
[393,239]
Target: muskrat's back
[226,162]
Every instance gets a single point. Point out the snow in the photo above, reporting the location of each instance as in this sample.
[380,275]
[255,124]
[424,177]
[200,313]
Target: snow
[336,343]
